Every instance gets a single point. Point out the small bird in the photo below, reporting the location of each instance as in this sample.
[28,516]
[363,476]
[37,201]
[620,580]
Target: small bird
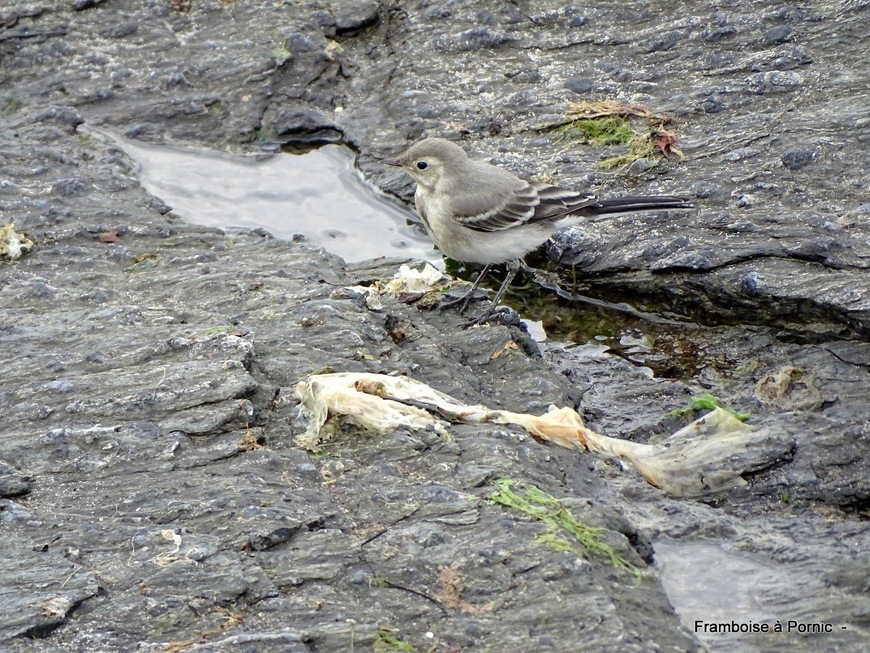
[476,212]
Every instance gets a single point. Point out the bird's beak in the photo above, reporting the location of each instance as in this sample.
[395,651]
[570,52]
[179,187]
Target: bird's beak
[391,162]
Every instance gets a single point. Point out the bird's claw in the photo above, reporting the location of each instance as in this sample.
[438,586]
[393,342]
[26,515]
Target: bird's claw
[453,302]
[500,314]
[464,300]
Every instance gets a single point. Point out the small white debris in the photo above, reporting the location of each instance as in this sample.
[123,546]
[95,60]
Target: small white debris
[408,280]
[13,243]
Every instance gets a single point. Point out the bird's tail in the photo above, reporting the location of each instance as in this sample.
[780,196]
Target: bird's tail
[628,204]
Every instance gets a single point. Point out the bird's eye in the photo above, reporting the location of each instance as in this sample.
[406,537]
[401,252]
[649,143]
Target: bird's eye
[422,165]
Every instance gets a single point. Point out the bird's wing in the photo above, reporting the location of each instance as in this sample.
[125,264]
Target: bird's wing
[531,202]
[558,202]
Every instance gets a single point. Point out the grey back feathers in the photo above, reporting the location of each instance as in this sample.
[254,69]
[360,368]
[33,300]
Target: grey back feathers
[481,196]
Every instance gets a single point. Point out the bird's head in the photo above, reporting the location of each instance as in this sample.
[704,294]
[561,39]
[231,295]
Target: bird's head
[428,161]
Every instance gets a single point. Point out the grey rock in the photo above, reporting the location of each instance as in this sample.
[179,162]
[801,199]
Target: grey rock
[713,104]
[13,482]
[719,33]
[354,15]
[785,57]
[773,82]
[798,157]
[479,38]
[741,153]
[137,431]
[79,5]
[71,186]
[580,85]
[640,165]
[705,190]
[304,127]
[778,34]
[664,41]
[121,30]
[44,587]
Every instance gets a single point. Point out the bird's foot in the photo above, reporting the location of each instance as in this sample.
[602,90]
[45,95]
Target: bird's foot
[464,300]
[453,302]
[498,314]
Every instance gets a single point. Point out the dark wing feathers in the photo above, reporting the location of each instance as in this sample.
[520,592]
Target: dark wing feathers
[558,202]
[531,202]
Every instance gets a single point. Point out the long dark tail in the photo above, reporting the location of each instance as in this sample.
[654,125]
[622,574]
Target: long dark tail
[627,204]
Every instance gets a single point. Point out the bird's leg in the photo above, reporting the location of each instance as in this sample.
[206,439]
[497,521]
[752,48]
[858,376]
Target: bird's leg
[467,296]
[512,268]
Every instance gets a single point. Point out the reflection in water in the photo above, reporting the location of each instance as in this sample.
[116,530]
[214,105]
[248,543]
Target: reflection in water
[319,195]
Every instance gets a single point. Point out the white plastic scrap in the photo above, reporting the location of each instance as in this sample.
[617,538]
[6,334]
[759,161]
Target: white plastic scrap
[359,397]
[13,243]
[699,459]
[408,280]
[405,281]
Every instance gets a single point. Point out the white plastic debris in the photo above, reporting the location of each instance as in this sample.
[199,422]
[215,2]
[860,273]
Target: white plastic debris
[408,280]
[405,281]
[706,456]
[13,243]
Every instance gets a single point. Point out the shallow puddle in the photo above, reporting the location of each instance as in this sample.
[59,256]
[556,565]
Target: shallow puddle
[712,589]
[319,195]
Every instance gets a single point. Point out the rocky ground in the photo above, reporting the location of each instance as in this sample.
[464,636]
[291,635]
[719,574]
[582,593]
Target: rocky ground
[153,498]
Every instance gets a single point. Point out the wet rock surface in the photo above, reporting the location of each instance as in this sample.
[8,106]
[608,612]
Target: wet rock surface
[151,492]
